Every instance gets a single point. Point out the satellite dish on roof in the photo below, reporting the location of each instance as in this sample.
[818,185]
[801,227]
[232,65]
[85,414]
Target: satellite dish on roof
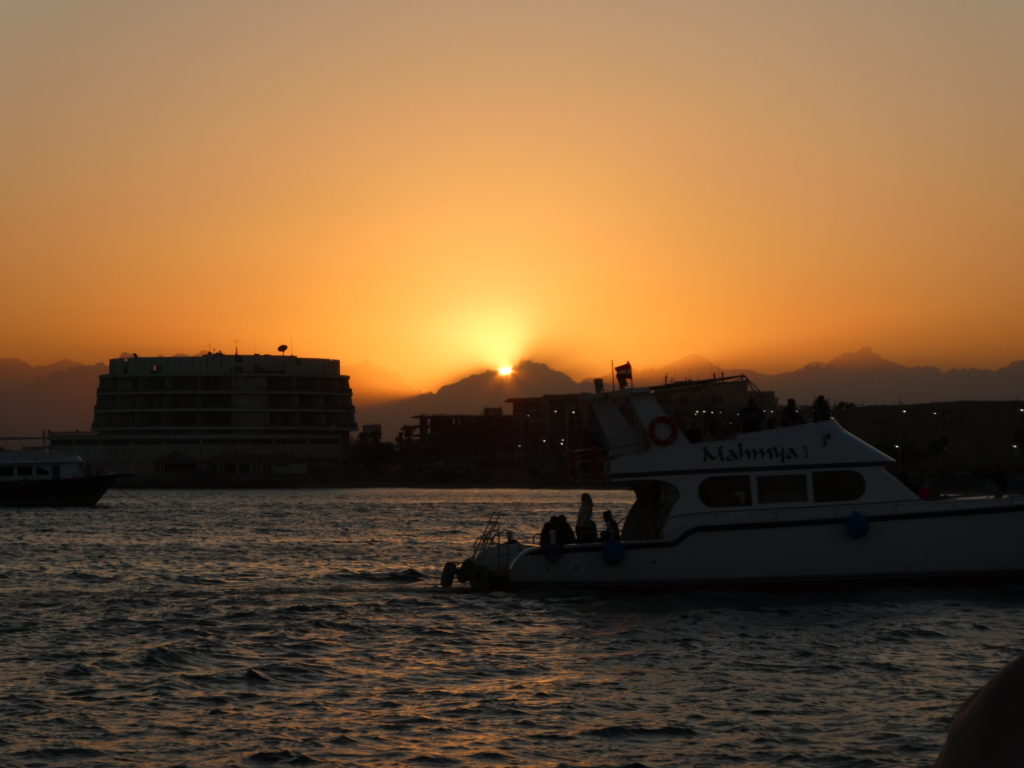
[283,348]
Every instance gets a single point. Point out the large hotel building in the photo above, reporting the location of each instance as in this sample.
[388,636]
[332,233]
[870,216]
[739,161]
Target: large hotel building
[219,417]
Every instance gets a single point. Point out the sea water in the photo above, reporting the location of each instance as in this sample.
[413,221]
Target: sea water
[265,628]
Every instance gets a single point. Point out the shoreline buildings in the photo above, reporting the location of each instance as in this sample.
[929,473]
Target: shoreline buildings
[274,420]
[218,418]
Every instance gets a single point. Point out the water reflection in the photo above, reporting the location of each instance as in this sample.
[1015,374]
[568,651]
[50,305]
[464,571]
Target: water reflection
[280,628]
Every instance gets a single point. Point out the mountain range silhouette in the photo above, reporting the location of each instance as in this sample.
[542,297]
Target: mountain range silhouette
[862,377]
[61,396]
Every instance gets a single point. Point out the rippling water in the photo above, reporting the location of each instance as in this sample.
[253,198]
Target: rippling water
[307,628]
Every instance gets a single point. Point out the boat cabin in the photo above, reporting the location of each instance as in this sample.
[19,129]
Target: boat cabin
[40,464]
[677,471]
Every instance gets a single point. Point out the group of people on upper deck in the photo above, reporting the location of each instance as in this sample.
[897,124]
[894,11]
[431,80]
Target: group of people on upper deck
[752,416]
[557,531]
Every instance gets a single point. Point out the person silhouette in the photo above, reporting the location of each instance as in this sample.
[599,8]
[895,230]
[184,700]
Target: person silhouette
[586,510]
[564,530]
[586,528]
[988,729]
[751,416]
[822,410]
[791,414]
[611,528]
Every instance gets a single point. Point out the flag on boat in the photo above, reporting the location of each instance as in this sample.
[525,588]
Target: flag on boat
[624,373]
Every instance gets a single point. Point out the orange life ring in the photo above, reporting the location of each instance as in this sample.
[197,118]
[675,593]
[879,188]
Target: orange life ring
[652,431]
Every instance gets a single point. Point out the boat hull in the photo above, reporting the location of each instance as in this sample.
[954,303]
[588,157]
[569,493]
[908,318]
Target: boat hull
[951,543]
[63,492]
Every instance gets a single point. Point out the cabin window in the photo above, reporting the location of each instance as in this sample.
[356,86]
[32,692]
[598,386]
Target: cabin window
[24,471]
[42,471]
[6,470]
[781,489]
[726,491]
[838,485]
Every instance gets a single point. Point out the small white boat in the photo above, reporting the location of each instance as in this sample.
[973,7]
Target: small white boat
[45,478]
[794,505]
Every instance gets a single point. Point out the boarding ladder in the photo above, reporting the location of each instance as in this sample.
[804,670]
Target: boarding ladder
[491,536]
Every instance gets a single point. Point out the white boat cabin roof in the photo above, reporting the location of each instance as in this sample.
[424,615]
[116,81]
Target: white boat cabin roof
[41,456]
[641,438]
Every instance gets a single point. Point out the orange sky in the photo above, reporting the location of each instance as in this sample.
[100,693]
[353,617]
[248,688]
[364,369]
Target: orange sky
[442,187]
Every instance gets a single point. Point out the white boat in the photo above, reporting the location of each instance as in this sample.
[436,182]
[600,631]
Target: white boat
[793,505]
[45,478]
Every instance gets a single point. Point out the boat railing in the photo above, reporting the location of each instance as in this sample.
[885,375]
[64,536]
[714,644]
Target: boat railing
[491,534]
[496,547]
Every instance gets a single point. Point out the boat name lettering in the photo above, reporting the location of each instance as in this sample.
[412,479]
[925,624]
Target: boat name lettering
[779,453]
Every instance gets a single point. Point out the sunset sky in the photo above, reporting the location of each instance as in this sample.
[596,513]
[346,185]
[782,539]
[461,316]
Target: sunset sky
[445,187]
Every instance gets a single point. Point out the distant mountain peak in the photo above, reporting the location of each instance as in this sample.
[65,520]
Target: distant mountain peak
[864,358]
[528,379]
[471,395]
[529,366]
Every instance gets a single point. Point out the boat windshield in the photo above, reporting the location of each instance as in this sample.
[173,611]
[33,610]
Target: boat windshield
[647,516]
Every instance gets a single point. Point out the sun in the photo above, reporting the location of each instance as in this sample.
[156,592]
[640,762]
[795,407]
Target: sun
[505,370]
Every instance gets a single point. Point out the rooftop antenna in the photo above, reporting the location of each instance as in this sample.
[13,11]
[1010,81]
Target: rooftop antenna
[282,349]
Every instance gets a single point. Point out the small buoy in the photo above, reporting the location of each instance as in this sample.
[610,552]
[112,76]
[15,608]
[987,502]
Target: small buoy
[448,573]
[857,525]
[613,552]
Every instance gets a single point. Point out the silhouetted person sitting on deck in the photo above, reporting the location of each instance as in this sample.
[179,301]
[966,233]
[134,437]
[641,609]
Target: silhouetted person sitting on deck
[822,410]
[551,541]
[549,533]
[586,510]
[751,416]
[791,414]
[611,528]
[586,528]
[565,534]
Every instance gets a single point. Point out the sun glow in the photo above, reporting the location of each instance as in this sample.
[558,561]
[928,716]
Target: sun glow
[505,370]
[496,228]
